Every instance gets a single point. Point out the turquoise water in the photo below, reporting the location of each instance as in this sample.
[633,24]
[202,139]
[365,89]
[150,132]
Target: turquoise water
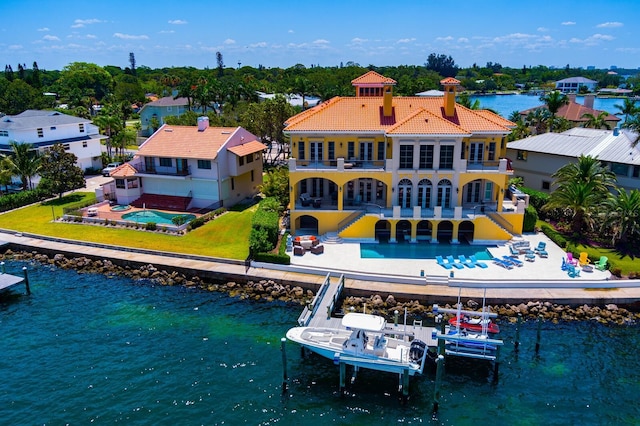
[146,216]
[87,349]
[421,251]
[506,104]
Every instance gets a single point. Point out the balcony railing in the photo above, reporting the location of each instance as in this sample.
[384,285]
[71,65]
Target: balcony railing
[165,171]
[337,164]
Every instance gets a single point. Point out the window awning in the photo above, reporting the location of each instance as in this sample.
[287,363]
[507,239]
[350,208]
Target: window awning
[247,148]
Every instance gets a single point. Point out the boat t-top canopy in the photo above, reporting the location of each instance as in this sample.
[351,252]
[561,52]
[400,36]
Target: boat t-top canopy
[363,322]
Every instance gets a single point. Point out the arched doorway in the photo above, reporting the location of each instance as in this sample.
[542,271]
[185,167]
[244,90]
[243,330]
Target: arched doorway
[383,231]
[465,231]
[444,193]
[405,188]
[403,231]
[445,231]
[424,230]
[306,225]
[425,188]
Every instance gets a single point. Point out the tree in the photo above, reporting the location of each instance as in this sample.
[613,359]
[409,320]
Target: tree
[59,171]
[465,101]
[622,219]
[6,172]
[19,97]
[25,162]
[443,65]
[89,80]
[596,121]
[220,64]
[110,125]
[582,189]
[538,119]
[276,184]
[554,100]
[303,87]
[628,108]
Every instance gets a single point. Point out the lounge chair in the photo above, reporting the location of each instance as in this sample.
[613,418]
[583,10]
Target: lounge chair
[442,263]
[541,249]
[466,262]
[475,261]
[453,262]
[504,264]
[530,256]
[584,259]
[571,260]
[514,251]
[513,261]
[601,264]
[573,271]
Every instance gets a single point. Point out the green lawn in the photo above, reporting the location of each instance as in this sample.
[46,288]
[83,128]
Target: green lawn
[227,236]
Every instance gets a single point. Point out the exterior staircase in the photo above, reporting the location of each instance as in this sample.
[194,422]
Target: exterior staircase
[331,238]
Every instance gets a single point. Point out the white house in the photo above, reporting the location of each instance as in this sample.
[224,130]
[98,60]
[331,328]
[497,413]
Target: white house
[536,158]
[573,84]
[42,129]
[189,167]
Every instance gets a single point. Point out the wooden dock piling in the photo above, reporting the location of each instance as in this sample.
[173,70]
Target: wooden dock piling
[285,379]
[538,333]
[517,340]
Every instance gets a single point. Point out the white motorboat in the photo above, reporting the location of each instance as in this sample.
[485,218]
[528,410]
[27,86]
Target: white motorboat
[364,342]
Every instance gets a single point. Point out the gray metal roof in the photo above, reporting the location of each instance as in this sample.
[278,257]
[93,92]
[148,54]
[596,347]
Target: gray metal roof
[603,144]
[32,119]
[576,80]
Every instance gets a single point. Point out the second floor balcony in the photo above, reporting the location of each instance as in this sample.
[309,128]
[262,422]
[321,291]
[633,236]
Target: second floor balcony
[339,164]
[164,171]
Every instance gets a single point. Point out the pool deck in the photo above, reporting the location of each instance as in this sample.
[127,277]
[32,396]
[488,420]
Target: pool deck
[105,212]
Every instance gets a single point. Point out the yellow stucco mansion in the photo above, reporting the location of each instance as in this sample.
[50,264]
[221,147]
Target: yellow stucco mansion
[383,167]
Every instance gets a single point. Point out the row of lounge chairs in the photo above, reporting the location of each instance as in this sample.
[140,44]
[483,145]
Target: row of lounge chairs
[450,262]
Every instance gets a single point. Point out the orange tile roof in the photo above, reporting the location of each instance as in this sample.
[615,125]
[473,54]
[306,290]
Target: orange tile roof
[362,114]
[186,142]
[498,119]
[372,77]
[123,171]
[425,122]
[574,111]
[448,81]
[247,148]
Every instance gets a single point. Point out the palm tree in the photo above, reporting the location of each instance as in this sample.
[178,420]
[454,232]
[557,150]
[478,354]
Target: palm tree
[596,121]
[582,188]
[24,162]
[6,172]
[628,108]
[623,216]
[111,126]
[554,100]
[538,119]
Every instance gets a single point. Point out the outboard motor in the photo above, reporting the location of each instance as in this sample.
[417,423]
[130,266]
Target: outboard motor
[417,351]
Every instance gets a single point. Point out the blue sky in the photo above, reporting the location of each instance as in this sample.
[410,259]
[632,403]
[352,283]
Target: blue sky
[284,33]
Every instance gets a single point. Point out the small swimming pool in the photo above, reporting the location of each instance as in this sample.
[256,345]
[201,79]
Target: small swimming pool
[421,251]
[146,216]
[120,208]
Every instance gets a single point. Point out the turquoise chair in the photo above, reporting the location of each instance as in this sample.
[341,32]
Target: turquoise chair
[601,264]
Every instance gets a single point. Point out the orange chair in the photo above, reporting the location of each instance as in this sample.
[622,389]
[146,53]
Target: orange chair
[584,259]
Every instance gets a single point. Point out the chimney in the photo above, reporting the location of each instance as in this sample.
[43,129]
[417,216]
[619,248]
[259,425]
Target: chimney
[450,85]
[387,102]
[572,97]
[616,131]
[588,101]
[203,123]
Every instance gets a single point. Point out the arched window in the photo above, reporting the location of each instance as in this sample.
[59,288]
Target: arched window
[425,189]
[404,193]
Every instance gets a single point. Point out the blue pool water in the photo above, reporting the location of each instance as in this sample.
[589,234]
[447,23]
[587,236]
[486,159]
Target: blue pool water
[421,251]
[146,216]
[89,349]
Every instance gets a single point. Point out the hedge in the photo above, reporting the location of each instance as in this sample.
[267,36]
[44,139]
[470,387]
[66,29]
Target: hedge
[554,235]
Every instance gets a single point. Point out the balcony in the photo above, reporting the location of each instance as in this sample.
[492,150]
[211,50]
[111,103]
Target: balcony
[339,164]
[498,166]
[163,171]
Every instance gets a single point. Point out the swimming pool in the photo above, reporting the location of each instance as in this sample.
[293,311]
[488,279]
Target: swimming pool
[120,208]
[146,216]
[421,251]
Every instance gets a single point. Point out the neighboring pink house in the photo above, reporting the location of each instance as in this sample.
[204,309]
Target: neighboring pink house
[192,168]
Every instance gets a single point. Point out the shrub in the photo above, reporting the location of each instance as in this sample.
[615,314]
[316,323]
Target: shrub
[530,219]
[151,226]
[196,223]
[554,235]
[23,198]
[180,220]
[280,259]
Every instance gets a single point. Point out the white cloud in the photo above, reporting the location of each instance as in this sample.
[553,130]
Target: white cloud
[463,40]
[406,40]
[610,25]
[177,21]
[543,29]
[15,47]
[592,40]
[167,32]
[447,38]
[229,41]
[43,29]
[259,44]
[568,23]
[130,36]
[79,23]
[359,40]
[321,42]
[290,31]
[50,38]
